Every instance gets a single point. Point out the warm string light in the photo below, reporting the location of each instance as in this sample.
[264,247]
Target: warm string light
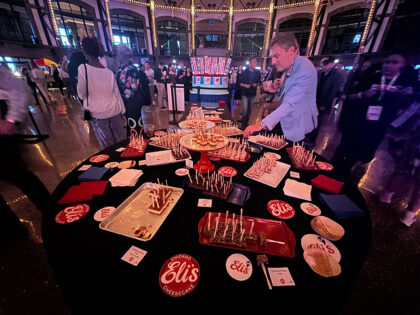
[152,9]
[54,22]
[294,5]
[212,10]
[230,25]
[167,7]
[108,17]
[137,2]
[193,24]
[252,10]
[268,33]
[312,33]
[367,26]
[270,20]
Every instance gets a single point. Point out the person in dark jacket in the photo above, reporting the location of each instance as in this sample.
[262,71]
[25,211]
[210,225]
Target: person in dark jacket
[237,93]
[250,79]
[134,87]
[188,84]
[329,83]
[372,105]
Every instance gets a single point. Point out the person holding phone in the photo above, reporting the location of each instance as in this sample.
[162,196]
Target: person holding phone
[160,78]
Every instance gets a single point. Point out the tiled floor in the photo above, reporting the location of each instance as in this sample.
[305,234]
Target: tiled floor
[388,283]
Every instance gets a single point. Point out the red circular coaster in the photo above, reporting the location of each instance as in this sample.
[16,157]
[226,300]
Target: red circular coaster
[99,158]
[72,213]
[324,166]
[182,171]
[160,133]
[280,209]
[227,171]
[179,275]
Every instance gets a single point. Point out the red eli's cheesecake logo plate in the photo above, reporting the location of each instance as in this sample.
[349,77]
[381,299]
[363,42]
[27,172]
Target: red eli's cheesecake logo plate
[227,171]
[160,133]
[324,166]
[280,209]
[72,214]
[179,275]
[99,158]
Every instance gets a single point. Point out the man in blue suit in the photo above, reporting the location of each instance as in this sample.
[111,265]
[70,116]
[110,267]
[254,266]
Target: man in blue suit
[297,114]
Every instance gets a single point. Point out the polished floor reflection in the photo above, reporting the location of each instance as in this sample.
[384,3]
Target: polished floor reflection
[388,283]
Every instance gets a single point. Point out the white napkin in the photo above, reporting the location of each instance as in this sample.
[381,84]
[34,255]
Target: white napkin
[297,189]
[126,177]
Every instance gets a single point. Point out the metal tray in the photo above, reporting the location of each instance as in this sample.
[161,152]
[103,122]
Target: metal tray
[133,212]
[274,178]
[162,158]
[252,139]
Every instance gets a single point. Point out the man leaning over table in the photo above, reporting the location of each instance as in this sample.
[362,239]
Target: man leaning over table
[297,114]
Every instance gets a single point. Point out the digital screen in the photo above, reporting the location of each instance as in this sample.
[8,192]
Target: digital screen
[356,38]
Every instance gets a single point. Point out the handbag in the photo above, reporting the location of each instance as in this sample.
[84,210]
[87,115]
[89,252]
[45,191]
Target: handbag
[86,115]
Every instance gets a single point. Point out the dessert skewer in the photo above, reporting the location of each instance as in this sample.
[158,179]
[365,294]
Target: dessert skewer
[262,260]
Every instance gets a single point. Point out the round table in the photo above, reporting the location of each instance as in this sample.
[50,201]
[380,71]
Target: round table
[87,260]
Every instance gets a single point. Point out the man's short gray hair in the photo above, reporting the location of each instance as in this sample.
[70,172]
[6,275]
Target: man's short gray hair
[285,41]
[124,54]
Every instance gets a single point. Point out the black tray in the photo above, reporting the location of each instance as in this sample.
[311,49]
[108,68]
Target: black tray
[238,196]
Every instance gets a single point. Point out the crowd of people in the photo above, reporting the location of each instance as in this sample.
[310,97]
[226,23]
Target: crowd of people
[380,102]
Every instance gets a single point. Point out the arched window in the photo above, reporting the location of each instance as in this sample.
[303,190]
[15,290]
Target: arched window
[14,22]
[173,40]
[249,39]
[129,30]
[404,29]
[344,31]
[301,27]
[211,33]
[74,23]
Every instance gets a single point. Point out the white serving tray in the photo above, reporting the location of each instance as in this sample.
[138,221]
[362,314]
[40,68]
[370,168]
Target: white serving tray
[253,140]
[274,178]
[162,158]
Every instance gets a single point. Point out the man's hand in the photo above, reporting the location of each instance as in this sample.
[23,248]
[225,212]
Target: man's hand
[276,84]
[7,128]
[251,129]
[246,85]
[369,93]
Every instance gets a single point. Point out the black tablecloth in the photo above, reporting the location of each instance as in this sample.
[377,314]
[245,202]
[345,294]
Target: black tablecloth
[88,267]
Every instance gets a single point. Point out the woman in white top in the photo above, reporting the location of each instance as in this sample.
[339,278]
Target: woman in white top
[101,97]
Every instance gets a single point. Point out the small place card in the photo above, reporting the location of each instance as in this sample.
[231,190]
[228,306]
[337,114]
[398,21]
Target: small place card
[206,203]
[142,162]
[134,255]
[120,149]
[84,167]
[294,174]
[189,163]
[281,277]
